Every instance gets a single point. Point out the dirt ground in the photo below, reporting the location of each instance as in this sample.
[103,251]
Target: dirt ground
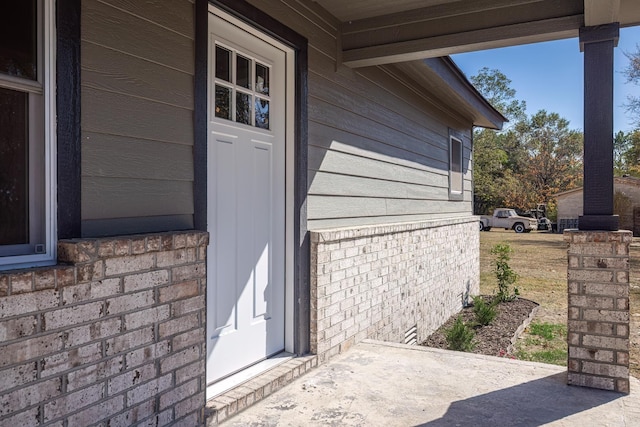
[493,339]
[540,259]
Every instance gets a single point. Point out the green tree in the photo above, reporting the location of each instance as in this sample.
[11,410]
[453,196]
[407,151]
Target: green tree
[621,144]
[527,162]
[631,156]
[496,152]
[632,73]
[496,161]
[554,156]
[496,88]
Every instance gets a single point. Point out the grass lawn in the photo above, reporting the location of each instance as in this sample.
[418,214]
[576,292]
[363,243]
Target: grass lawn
[540,259]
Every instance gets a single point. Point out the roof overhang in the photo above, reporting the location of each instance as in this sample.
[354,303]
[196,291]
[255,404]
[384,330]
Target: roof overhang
[442,78]
[375,32]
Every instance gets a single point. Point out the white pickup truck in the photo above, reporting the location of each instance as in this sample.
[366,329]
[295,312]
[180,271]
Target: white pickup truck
[509,220]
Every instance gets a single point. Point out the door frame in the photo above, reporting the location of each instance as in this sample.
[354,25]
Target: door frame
[297,267]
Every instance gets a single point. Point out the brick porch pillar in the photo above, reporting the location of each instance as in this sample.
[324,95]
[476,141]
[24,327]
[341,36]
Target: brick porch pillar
[598,324]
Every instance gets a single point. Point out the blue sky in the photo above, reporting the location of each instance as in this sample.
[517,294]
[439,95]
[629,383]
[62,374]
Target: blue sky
[550,75]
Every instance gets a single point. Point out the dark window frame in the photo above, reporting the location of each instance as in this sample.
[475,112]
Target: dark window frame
[456,195]
[68,106]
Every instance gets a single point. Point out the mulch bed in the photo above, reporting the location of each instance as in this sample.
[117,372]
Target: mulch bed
[494,339]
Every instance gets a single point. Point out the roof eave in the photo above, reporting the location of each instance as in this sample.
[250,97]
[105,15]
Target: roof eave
[483,113]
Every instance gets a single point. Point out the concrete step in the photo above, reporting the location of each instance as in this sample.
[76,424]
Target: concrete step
[222,407]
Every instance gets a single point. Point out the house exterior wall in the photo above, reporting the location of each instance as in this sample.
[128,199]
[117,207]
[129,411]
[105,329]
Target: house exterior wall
[114,337]
[379,282]
[137,116]
[389,250]
[115,332]
[570,205]
[378,149]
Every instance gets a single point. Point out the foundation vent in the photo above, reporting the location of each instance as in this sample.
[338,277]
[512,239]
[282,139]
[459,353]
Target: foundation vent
[411,336]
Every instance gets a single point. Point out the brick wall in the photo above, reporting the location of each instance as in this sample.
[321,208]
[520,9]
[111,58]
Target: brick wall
[378,282]
[116,336]
[598,327]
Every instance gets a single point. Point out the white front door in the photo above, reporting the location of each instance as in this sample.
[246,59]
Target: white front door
[246,199]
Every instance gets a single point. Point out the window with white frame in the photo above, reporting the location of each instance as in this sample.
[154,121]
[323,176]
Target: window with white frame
[27,133]
[456,179]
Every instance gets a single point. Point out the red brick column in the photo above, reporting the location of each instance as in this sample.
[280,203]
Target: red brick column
[598,325]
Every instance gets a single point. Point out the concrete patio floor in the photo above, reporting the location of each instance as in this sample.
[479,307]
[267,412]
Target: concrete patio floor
[383,384]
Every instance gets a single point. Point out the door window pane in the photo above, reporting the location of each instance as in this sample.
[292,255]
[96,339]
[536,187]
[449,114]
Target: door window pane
[262,79]
[243,108]
[14,185]
[18,39]
[246,99]
[243,72]
[223,64]
[223,102]
[262,113]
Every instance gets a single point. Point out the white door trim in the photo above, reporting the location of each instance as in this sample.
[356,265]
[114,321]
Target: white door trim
[290,246]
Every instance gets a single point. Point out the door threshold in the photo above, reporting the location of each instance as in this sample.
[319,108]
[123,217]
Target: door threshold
[245,393]
[237,379]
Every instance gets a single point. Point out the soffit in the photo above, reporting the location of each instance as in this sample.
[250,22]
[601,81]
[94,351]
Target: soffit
[351,10]
[375,32]
[629,13]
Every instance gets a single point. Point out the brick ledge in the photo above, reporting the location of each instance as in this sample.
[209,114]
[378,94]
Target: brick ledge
[82,250]
[337,234]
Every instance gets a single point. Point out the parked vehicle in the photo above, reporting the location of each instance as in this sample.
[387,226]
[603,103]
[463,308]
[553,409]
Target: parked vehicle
[509,220]
[540,213]
[544,224]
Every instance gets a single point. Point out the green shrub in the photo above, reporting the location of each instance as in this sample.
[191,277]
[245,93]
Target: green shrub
[485,313]
[460,336]
[505,276]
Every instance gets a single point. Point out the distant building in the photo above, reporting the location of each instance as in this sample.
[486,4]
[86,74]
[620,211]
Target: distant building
[626,205]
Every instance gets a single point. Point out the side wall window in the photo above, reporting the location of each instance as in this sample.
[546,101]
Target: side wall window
[26,133]
[456,179]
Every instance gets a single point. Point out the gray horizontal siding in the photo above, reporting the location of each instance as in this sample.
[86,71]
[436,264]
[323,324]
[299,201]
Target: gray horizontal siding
[135,158]
[125,115]
[378,148]
[178,20]
[305,18]
[134,31]
[126,197]
[137,116]
[326,208]
[102,69]
[336,162]
[136,225]
[326,113]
